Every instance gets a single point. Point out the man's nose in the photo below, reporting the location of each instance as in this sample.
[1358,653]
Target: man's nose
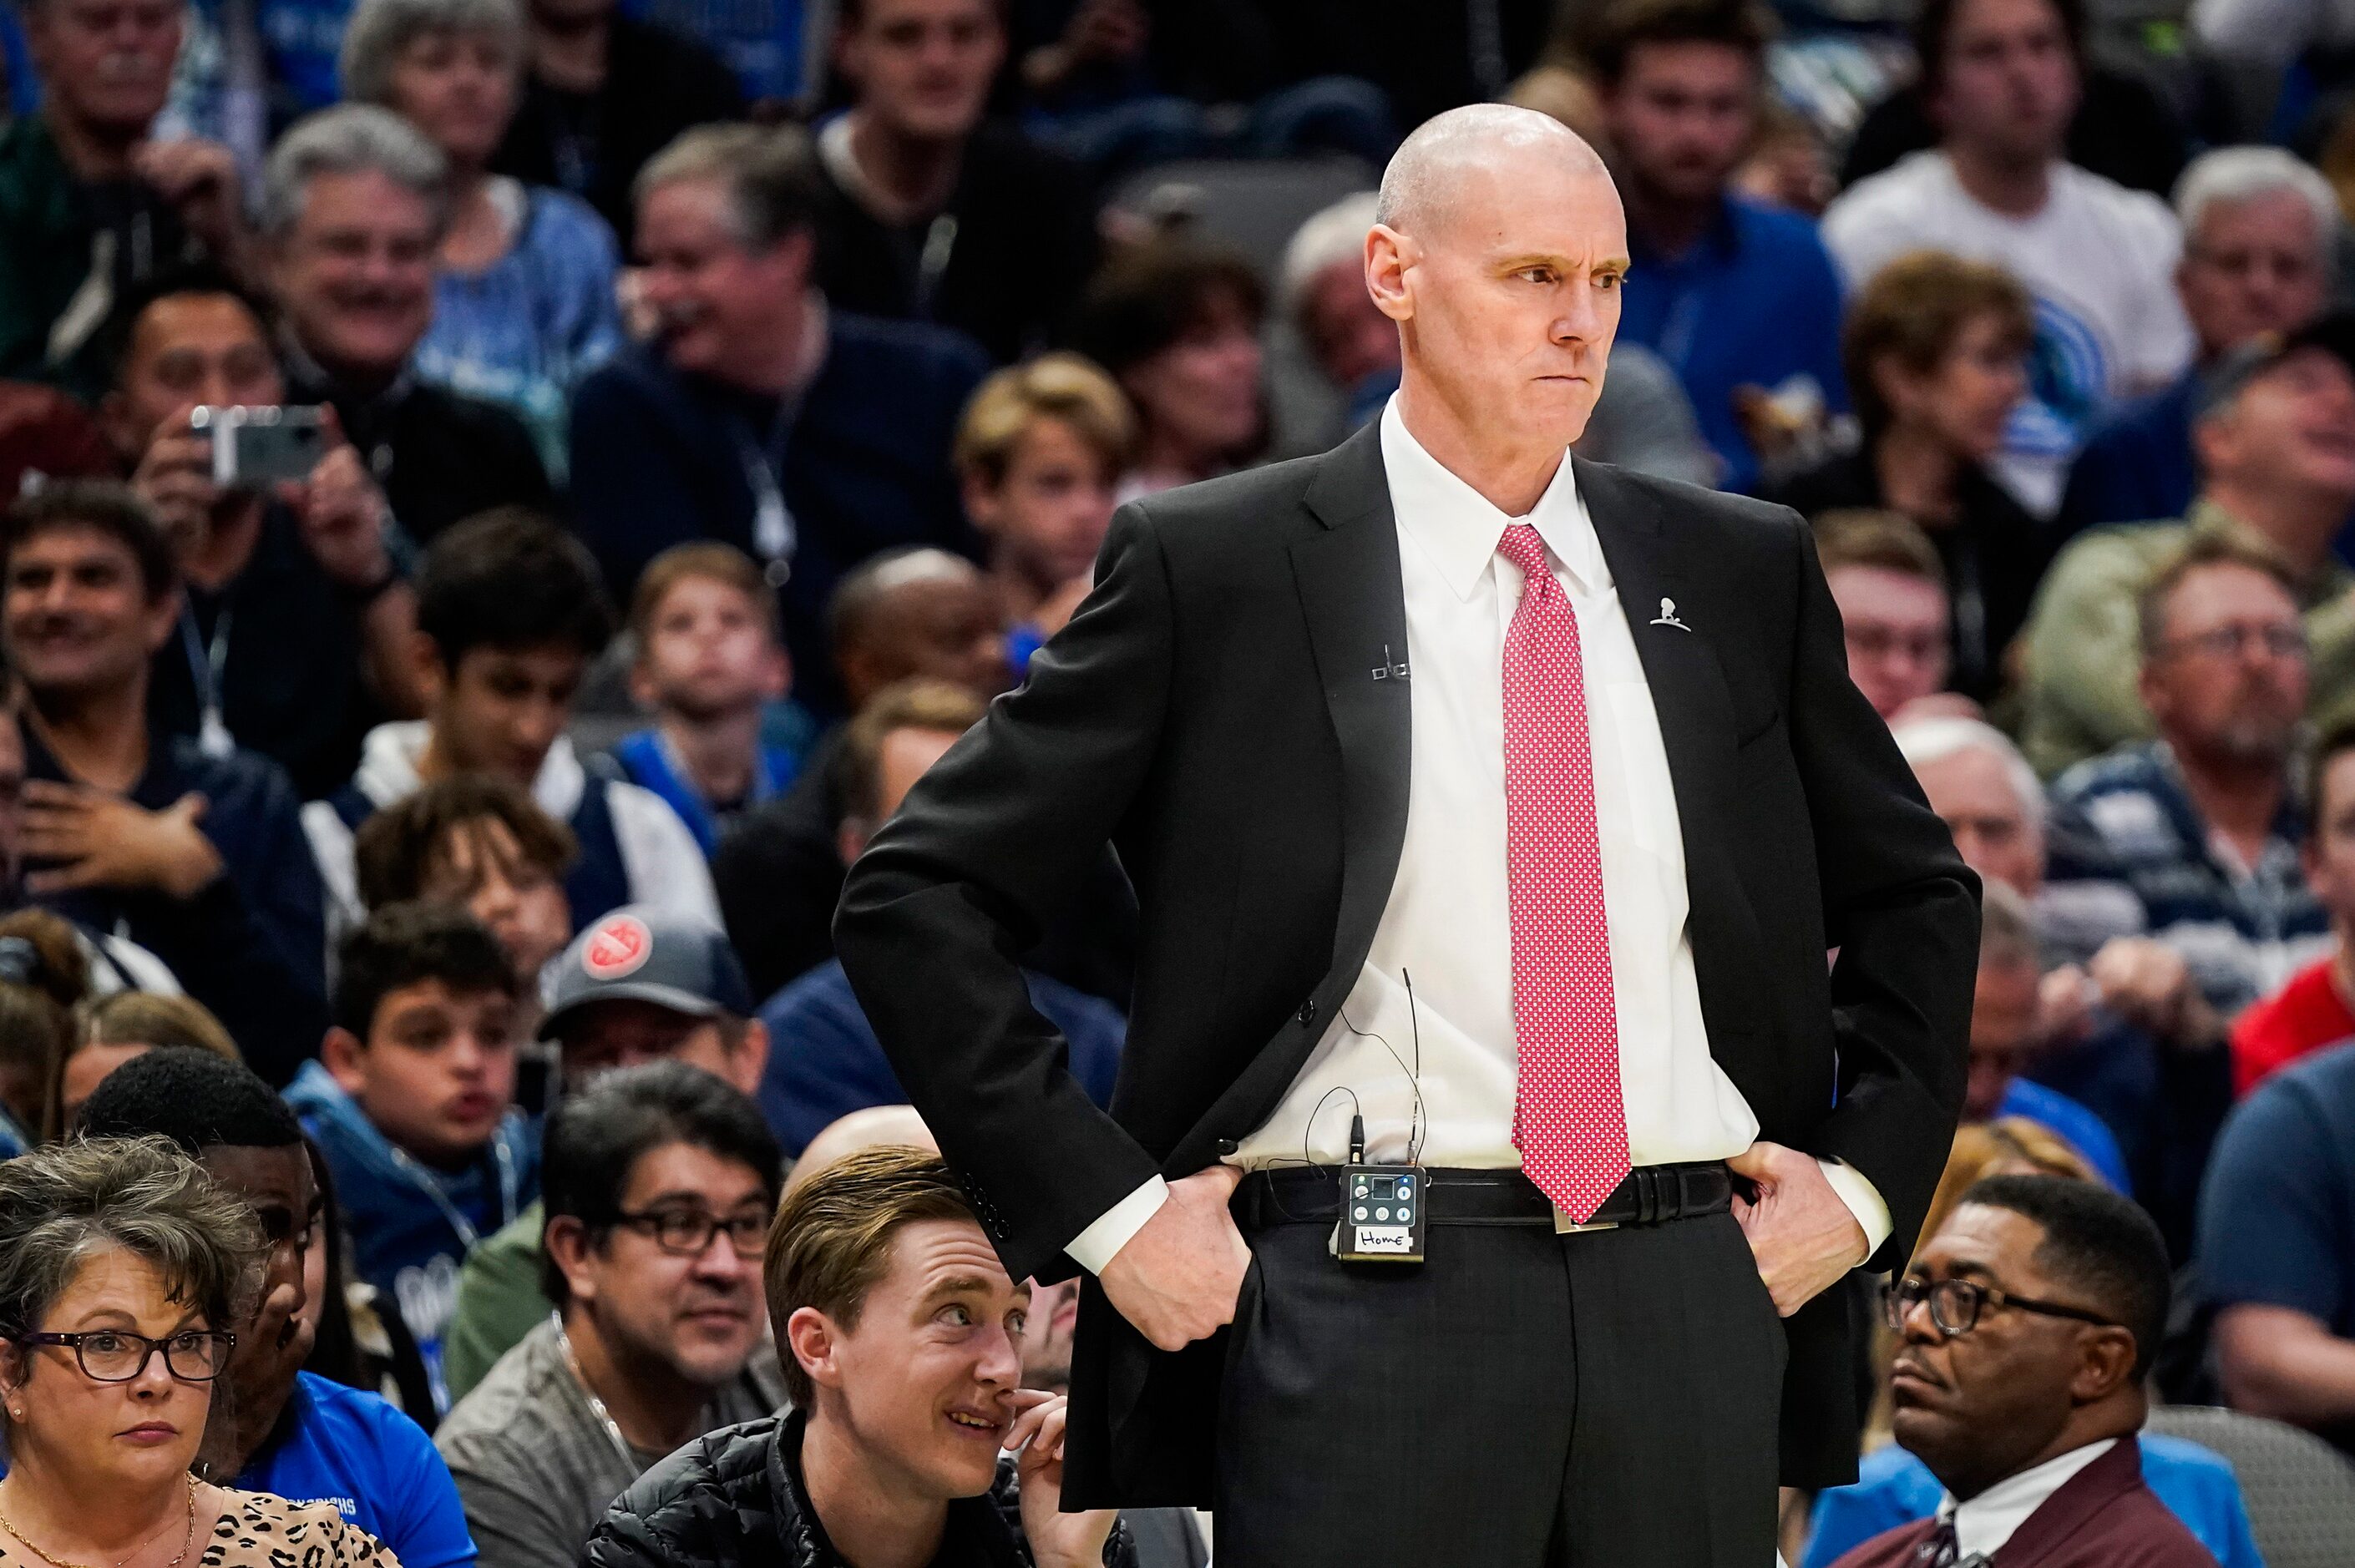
[1001,1361]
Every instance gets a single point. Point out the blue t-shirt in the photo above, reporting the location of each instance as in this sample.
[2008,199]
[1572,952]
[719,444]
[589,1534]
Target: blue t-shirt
[1755,303]
[1893,1487]
[2278,1213]
[377,1466]
[2080,1128]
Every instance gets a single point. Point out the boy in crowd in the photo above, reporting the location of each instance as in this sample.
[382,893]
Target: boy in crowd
[659,1183]
[509,613]
[709,662]
[1039,452]
[412,1102]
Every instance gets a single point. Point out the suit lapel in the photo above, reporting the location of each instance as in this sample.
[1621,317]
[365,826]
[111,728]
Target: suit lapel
[1697,730]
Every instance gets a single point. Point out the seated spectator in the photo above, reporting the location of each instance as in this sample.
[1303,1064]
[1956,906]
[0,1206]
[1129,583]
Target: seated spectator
[1890,588]
[524,304]
[604,92]
[1040,449]
[2275,435]
[2004,1034]
[294,636]
[509,614]
[807,438]
[42,980]
[708,662]
[46,435]
[116,1233]
[633,988]
[919,613]
[197,857]
[2260,227]
[855,1251]
[355,210]
[1937,354]
[2001,79]
[120,1029]
[283,1430]
[2201,823]
[824,1059]
[2273,1261]
[1177,326]
[1731,292]
[90,207]
[2312,1011]
[413,1101]
[1643,419]
[934,213]
[660,1331]
[2029,1321]
[479,843]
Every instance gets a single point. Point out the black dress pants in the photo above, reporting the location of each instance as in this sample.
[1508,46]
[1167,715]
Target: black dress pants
[1522,1399]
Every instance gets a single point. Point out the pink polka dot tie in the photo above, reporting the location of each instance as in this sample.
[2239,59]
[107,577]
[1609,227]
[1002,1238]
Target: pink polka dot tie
[1568,1120]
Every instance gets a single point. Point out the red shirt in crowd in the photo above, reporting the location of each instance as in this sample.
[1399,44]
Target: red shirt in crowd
[2304,1015]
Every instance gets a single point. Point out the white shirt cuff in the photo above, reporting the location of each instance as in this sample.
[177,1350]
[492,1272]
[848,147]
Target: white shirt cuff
[1862,1198]
[1095,1246]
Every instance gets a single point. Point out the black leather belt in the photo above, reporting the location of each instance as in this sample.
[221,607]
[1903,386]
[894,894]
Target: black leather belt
[1652,1194]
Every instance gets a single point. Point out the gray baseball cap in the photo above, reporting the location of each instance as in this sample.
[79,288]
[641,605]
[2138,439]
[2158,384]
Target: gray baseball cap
[636,955]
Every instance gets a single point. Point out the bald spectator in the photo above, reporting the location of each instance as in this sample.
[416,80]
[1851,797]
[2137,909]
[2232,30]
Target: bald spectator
[90,207]
[873,1127]
[810,439]
[935,213]
[2001,79]
[1936,350]
[2276,436]
[1890,588]
[2260,230]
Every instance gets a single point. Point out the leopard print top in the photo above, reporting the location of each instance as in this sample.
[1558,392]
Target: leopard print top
[260,1531]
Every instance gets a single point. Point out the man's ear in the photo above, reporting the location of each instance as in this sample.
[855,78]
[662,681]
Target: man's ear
[850,838]
[749,1060]
[811,1338]
[1388,254]
[433,676]
[344,1055]
[163,620]
[2105,1363]
[567,1241]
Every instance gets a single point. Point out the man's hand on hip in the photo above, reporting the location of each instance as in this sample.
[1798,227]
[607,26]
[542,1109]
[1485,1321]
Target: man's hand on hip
[1804,1237]
[1178,1278]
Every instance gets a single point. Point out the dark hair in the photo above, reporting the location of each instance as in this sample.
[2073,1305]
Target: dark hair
[2337,739]
[195,1098]
[402,944]
[597,1136]
[43,976]
[832,1239]
[1935,20]
[194,278]
[510,578]
[1615,31]
[103,507]
[2096,1242]
[2200,552]
[1143,302]
[396,850]
[1913,312]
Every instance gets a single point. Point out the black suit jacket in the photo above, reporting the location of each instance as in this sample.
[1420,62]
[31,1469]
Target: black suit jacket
[1213,711]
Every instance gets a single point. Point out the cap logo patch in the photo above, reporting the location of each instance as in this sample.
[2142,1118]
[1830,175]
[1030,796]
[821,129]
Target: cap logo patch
[619,947]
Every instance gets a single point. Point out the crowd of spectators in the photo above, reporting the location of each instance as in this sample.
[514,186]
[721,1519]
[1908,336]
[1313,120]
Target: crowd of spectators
[421,818]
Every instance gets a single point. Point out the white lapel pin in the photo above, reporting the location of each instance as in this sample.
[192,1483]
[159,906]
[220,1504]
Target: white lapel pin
[1668,616]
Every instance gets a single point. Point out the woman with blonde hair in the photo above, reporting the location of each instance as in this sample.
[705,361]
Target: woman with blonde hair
[114,1029]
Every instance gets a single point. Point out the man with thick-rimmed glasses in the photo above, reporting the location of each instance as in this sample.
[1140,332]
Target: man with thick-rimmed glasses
[2026,1325]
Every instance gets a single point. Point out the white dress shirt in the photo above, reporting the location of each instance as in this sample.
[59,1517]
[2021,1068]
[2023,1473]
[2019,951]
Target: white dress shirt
[1435,1082]
[1987,1520]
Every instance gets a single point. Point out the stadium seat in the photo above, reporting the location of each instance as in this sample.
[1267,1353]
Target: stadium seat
[2300,1491]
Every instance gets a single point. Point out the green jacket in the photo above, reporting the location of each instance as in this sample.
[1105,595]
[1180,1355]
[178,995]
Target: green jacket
[2082,644]
[499,1301]
[68,252]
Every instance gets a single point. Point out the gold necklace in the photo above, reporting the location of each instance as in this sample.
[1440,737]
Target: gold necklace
[187,1539]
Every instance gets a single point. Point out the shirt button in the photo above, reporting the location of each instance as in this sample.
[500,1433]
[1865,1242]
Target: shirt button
[1308,1013]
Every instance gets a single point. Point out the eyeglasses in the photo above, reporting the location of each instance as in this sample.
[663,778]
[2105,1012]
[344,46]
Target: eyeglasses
[2232,641]
[110,1355]
[1955,1305]
[688,1233]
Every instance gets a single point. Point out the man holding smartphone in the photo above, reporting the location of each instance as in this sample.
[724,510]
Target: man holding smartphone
[298,617]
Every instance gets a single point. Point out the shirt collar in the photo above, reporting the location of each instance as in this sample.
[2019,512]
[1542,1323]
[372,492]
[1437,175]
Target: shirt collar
[1457,528]
[1987,1520]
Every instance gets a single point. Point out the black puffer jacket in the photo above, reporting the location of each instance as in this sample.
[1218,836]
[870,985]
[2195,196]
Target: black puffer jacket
[734,1500]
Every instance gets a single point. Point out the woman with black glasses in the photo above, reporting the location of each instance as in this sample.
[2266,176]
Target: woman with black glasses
[117,1259]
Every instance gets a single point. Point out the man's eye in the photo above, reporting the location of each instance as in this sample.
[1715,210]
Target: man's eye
[956,1317]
